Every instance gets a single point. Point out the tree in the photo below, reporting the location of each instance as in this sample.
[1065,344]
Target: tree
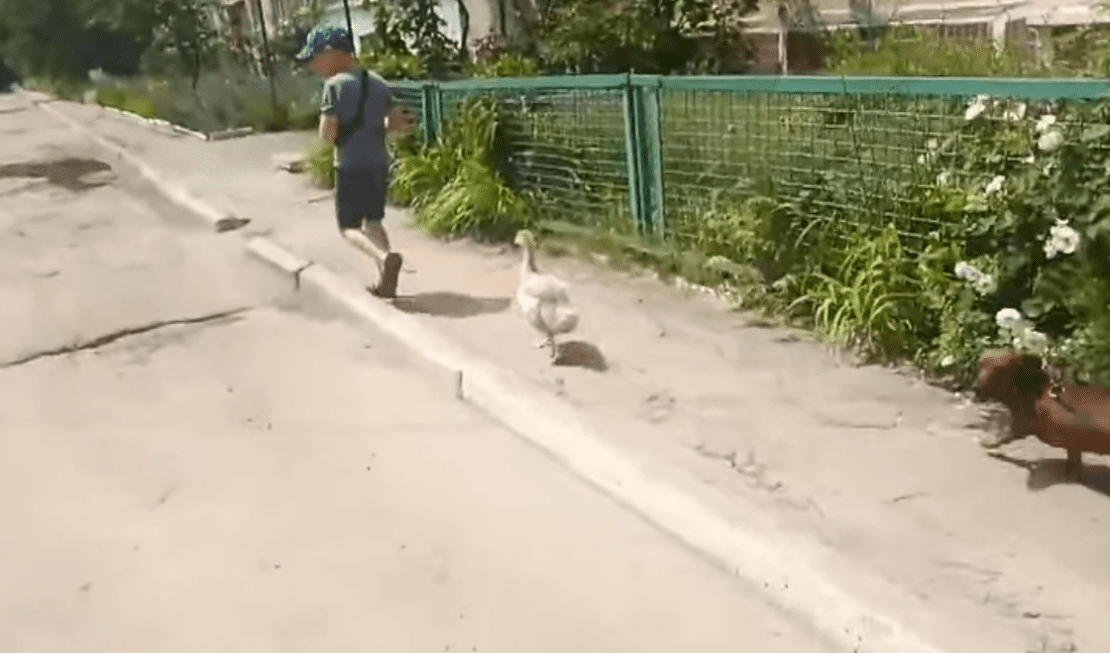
[289,35]
[464,28]
[649,36]
[413,27]
[183,27]
[44,38]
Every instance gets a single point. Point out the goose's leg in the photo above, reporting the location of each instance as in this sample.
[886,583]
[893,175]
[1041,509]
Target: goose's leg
[554,348]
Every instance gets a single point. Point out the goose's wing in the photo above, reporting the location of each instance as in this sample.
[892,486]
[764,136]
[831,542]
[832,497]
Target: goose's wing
[545,288]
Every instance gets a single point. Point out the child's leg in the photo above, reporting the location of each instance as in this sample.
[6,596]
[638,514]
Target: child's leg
[367,245]
[375,231]
[374,236]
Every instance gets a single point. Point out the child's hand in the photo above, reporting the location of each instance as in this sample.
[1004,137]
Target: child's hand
[399,121]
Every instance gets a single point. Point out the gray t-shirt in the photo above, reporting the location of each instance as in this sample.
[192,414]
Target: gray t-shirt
[366,147]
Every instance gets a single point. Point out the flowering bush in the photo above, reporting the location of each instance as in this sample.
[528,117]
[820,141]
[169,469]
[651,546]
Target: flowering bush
[1032,221]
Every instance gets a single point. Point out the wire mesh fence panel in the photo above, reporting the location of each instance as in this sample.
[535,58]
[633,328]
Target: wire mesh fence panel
[410,98]
[814,161]
[565,148]
[841,162]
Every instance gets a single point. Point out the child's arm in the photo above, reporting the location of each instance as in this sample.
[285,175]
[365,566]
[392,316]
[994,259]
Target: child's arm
[329,127]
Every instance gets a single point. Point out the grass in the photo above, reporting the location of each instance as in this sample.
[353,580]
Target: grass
[224,99]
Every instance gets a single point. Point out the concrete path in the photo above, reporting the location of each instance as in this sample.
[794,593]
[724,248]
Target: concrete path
[191,460]
[761,424]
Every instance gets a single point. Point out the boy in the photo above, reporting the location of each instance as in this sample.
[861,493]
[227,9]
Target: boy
[356,111]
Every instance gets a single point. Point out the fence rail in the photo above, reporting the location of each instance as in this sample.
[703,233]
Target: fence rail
[686,157]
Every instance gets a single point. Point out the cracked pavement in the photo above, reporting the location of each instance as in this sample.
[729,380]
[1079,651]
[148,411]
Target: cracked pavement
[193,459]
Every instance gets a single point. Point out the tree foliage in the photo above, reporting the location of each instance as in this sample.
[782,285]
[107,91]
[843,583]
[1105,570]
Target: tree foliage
[182,27]
[45,38]
[413,27]
[289,34]
[649,36]
[64,39]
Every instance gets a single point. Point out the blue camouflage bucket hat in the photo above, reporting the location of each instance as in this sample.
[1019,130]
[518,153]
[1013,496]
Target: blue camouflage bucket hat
[323,37]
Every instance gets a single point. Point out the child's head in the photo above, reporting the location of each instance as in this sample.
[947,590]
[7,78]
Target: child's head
[327,51]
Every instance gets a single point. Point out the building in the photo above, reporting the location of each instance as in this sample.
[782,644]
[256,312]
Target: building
[786,33]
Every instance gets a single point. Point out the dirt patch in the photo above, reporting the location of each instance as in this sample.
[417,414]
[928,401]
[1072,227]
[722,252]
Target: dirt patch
[72,173]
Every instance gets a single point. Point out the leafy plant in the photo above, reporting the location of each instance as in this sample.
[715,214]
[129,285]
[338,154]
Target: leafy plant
[505,65]
[412,27]
[603,36]
[870,302]
[454,187]
[393,65]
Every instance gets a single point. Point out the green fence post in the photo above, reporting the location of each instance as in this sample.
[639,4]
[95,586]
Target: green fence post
[643,141]
[651,150]
[632,153]
[431,112]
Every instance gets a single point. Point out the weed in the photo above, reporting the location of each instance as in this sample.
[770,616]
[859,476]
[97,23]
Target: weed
[870,302]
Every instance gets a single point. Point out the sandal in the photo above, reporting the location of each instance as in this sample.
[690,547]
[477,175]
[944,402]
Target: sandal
[386,287]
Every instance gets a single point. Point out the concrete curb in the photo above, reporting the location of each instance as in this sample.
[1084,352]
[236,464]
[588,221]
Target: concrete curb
[787,578]
[273,254]
[219,220]
[155,123]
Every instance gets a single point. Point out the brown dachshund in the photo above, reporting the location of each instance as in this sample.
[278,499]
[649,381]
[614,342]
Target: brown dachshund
[1073,417]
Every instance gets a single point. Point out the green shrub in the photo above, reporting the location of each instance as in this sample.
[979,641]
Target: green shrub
[505,65]
[391,65]
[455,188]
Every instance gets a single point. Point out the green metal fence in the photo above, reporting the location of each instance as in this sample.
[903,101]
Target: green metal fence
[681,157]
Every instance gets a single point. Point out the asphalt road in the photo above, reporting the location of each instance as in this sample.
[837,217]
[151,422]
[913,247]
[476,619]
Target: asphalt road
[193,459]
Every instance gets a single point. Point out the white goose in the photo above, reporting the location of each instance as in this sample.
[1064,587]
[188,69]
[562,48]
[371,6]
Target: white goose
[543,299]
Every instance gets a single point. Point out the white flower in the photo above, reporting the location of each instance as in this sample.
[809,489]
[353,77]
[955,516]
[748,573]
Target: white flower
[1031,340]
[932,144]
[947,361]
[1016,112]
[984,284]
[1045,121]
[1050,141]
[1008,318]
[967,271]
[943,178]
[995,185]
[1062,239]
[976,108]
[1028,159]
[921,158]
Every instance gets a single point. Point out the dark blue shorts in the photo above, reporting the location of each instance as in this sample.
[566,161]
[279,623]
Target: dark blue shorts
[360,195]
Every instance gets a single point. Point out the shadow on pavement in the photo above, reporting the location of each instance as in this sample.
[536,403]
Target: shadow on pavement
[67,173]
[449,304]
[576,353]
[1047,472]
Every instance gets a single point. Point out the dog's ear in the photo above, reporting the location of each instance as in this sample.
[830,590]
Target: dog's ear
[1029,375]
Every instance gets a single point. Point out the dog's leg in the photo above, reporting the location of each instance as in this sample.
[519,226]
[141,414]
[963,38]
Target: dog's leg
[1074,466]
